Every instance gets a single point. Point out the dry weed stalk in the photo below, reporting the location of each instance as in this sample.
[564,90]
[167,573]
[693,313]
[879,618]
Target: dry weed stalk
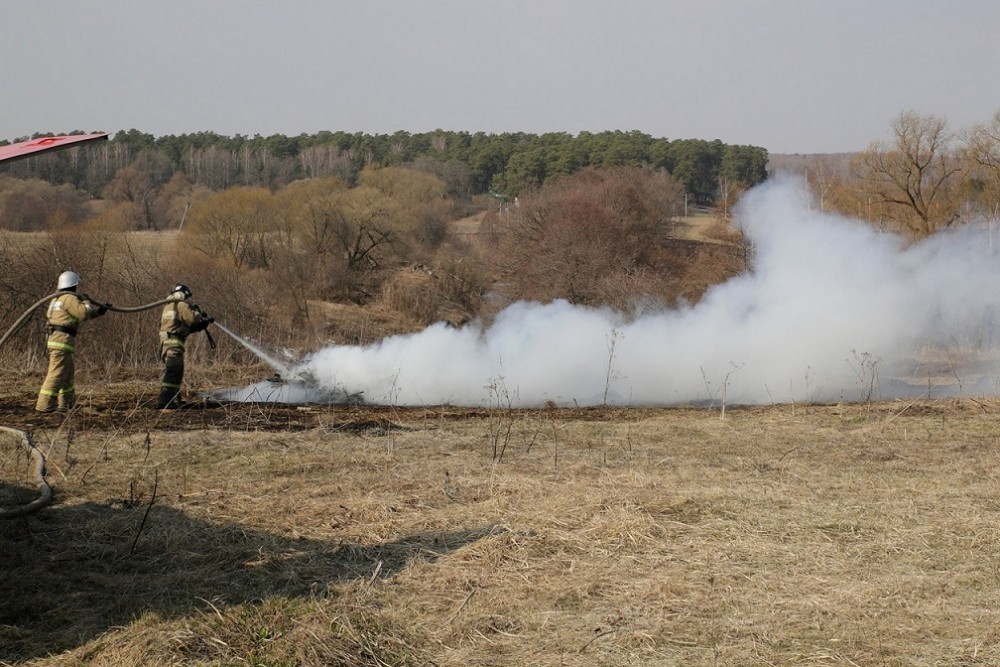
[610,375]
[723,391]
[500,408]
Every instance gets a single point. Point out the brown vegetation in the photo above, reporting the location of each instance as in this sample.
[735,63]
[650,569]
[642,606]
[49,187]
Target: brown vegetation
[593,239]
[785,535]
[319,262]
[926,178]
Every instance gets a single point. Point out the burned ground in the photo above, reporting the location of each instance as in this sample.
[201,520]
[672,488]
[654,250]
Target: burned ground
[129,408]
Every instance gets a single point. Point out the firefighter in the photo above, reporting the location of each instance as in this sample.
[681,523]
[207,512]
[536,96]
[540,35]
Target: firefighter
[179,319]
[65,314]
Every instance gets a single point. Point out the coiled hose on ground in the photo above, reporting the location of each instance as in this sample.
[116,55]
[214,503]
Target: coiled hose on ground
[45,491]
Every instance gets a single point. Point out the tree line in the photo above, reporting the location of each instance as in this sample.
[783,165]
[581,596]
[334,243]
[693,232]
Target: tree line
[505,165]
[927,177]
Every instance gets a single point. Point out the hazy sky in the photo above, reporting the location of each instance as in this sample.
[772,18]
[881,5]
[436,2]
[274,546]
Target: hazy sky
[793,76]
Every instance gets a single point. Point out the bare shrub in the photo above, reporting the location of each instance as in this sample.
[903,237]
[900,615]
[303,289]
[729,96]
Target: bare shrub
[500,401]
[721,230]
[450,291]
[583,234]
[103,261]
[248,301]
[35,205]
[463,278]
[114,218]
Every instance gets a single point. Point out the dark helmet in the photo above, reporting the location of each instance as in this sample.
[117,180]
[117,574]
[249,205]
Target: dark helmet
[183,289]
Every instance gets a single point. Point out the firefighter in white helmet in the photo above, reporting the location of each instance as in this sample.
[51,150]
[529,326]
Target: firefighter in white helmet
[65,313]
[180,318]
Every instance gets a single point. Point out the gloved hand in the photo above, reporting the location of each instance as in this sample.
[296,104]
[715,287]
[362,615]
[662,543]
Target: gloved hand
[102,308]
[202,323]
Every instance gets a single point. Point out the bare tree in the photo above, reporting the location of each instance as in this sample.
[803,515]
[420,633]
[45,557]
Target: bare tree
[916,178]
[361,227]
[825,174]
[237,224]
[135,187]
[982,147]
[312,206]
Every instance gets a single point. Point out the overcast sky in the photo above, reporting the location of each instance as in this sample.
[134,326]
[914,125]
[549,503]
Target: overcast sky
[792,76]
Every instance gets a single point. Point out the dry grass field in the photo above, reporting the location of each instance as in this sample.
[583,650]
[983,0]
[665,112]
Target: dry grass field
[323,535]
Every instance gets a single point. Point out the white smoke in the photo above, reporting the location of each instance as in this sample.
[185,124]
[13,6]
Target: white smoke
[833,310]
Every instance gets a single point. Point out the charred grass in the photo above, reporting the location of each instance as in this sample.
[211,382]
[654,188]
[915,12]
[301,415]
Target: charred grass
[324,535]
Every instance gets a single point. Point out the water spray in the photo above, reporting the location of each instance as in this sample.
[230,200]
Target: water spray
[291,383]
[282,370]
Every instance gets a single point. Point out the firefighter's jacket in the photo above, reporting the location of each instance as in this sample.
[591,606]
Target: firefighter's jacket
[64,315]
[180,319]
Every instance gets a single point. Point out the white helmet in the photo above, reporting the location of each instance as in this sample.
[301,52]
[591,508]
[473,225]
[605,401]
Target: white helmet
[68,279]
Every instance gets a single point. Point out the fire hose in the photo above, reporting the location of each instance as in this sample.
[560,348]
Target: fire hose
[118,309]
[45,491]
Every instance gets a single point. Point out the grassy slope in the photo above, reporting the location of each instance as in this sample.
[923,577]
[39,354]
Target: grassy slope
[785,535]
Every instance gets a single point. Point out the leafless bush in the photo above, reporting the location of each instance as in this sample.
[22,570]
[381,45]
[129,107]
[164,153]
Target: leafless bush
[722,393]
[721,230]
[463,278]
[610,374]
[32,264]
[31,205]
[500,401]
[584,233]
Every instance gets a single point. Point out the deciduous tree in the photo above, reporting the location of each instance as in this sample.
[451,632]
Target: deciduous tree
[982,143]
[914,178]
[135,187]
[239,224]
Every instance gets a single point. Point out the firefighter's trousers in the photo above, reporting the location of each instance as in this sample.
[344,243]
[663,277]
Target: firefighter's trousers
[173,376]
[57,390]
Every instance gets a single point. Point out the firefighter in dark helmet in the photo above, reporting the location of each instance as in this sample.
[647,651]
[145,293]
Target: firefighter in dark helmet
[66,311]
[179,319]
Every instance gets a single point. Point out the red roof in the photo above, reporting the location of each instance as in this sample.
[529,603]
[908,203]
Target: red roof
[24,149]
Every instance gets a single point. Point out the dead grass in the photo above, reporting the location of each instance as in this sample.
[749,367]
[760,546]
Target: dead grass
[776,536]
[468,226]
[347,323]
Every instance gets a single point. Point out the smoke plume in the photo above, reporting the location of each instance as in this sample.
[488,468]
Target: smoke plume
[832,310]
